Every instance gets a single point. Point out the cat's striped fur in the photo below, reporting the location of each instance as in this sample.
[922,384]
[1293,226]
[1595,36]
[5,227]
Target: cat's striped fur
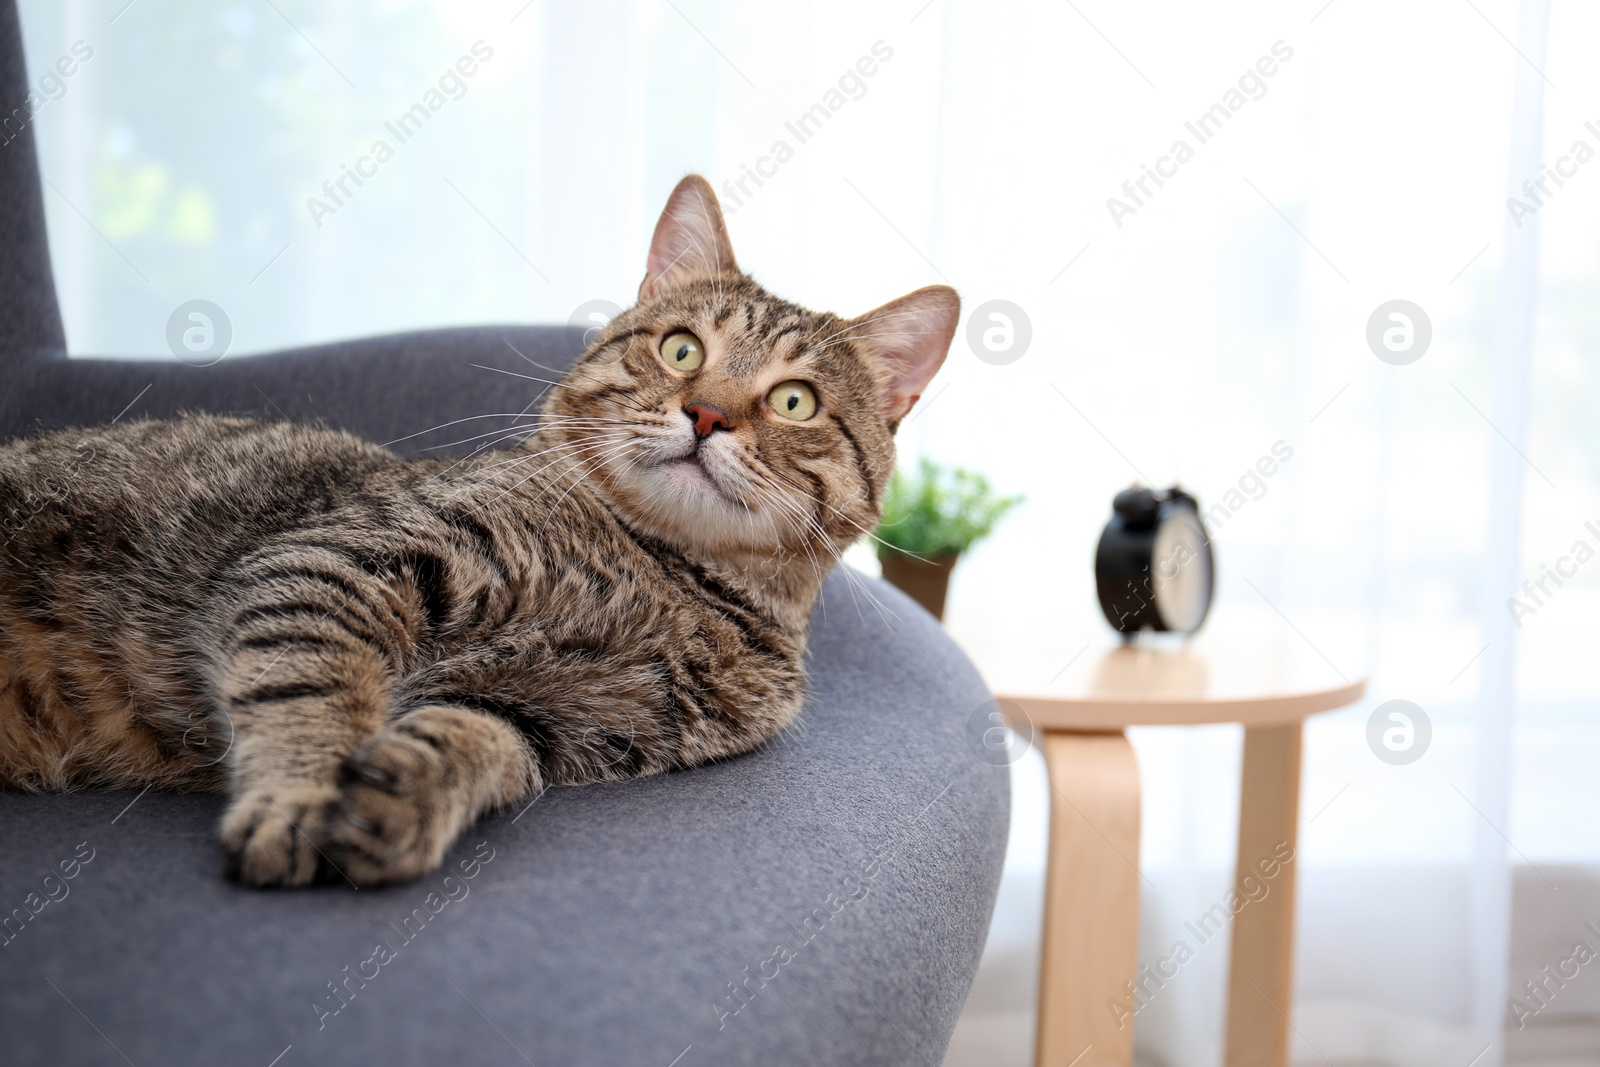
[368,652]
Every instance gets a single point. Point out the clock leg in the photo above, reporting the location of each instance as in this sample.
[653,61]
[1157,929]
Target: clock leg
[1091,909]
[1260,983]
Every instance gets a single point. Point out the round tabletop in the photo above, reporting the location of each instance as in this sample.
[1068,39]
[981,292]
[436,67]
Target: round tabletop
[1243,666]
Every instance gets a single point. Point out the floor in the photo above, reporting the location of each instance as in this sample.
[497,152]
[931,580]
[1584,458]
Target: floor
[996,1027]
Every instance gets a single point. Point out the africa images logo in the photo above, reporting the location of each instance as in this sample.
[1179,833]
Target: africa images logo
[851,85]
[1252,85]
[406,126]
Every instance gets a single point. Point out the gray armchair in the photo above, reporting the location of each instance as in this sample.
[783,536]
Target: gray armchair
[823,900]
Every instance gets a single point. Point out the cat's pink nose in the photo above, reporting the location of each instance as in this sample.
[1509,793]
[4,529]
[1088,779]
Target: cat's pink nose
[707,417]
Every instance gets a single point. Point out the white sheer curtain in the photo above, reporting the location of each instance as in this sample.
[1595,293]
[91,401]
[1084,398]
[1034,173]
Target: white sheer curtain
[1366,156]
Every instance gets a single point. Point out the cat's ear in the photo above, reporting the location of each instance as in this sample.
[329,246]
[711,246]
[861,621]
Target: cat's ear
[909,338]
[691,240]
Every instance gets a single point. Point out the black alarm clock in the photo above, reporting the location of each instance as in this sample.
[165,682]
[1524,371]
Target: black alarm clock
[1153,569]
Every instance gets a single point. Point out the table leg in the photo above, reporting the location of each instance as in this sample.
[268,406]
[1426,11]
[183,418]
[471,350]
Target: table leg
[1259,986]
[1091,909]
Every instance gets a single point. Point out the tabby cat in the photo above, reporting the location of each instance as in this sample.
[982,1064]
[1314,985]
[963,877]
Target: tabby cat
[368,652]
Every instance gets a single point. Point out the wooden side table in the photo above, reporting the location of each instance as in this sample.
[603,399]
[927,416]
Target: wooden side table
[1264,680]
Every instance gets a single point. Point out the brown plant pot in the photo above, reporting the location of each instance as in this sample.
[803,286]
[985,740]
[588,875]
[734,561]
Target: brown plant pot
[925,582]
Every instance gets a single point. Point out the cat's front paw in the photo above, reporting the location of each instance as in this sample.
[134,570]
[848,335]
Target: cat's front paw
[272,833]
[398,808]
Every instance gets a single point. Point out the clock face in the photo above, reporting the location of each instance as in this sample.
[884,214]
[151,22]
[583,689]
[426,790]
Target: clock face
[1180,570]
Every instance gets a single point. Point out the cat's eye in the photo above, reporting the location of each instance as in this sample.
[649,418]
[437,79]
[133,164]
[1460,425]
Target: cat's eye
[682,351]
[793,400]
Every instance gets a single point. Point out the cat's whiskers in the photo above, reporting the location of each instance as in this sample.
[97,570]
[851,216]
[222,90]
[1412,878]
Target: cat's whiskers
[487,446]
[574,446]
[519,461]
[587,447]
[456,422]
[769,478]
[503,432]
[853,580]
[813,534]
[869,533]
[808,523]
[575,370]
[562,423]
[571,453]
[519,455]
[764,482]
[856,584]
[553,383]
[802,522]
[767,492]
[579,478]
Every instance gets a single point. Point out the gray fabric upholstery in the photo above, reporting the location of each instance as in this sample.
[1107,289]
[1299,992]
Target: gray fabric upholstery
[613,923]
[384,388]
[605,929]
[29,319]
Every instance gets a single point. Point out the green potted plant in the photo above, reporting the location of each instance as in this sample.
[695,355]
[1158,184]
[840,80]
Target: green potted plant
[929,519]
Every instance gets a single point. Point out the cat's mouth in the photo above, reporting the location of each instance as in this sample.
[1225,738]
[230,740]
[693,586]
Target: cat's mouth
[692,471]
[688,467]
[700,490]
